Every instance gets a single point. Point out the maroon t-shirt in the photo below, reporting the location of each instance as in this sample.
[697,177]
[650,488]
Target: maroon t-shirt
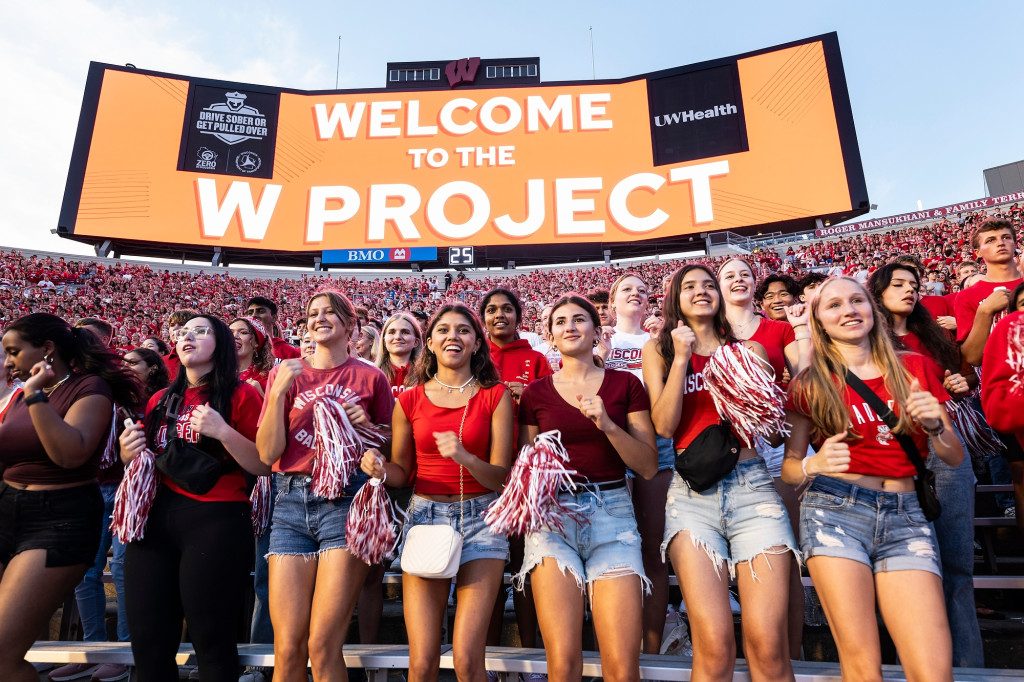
[353,381]
[590,452]
[22,456]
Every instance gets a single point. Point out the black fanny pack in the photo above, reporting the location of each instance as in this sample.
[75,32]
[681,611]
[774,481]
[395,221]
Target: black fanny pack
[192,468]
[709,457]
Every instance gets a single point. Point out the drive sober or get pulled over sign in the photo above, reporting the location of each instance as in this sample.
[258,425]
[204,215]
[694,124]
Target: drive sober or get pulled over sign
[757,139]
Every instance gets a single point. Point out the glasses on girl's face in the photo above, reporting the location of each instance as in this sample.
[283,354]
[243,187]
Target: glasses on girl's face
[195,332]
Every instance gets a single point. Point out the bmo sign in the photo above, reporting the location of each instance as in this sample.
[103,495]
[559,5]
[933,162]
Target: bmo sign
[396,255]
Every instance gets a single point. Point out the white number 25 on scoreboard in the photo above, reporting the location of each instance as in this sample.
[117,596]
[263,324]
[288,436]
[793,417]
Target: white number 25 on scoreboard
[460,255]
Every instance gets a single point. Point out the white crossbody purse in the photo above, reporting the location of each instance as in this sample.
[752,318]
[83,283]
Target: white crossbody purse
[435,551]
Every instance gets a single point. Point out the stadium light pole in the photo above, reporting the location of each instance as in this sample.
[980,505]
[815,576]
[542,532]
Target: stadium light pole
[337,70]
[593,71]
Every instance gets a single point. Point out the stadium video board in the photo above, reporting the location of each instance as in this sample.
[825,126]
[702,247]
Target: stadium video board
[761,139]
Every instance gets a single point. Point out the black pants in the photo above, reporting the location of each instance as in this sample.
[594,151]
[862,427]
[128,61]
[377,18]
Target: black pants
[193,564]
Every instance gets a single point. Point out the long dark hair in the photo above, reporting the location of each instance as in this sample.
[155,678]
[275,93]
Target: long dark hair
[673,312]
[217,387]
[84,353]
[920,322]
[481,363]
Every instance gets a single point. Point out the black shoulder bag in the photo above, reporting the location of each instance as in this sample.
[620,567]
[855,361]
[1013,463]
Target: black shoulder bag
[710,456]
[924,483]
[193,469]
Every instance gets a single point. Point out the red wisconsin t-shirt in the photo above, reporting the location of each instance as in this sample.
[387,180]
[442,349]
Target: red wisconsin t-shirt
[245,412]
[968,301]
[877,452]
[436,475]
[774,335]
[590,452]
[351,381]
[699,411]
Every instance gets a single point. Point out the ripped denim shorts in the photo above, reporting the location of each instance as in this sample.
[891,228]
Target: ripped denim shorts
[737,519]
[886,531]
[304,524]
[606,544]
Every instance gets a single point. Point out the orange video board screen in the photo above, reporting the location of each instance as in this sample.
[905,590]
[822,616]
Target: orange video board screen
[751,140]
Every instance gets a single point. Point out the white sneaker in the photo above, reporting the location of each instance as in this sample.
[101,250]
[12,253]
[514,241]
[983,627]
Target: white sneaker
[254,675]
[534,677]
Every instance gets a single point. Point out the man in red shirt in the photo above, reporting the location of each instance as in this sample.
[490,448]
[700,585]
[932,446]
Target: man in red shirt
[265,310]
[984,303]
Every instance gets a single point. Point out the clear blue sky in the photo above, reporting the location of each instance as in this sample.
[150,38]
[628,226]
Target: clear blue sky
[936,87]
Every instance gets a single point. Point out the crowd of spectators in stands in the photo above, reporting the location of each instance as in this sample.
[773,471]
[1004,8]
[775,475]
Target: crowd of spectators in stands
[136,298]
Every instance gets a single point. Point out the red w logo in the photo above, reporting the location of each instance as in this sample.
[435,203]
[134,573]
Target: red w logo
[462,70]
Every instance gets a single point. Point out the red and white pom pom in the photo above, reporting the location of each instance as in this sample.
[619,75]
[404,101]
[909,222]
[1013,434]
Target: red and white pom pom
[1015,353]
[529,502]
[260,501]
[745,393]
[980,441]
[134,497]
[338,446]
[370,529]
[110,449]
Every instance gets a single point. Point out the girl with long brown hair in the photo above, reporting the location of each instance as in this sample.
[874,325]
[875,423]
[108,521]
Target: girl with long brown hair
[862,530]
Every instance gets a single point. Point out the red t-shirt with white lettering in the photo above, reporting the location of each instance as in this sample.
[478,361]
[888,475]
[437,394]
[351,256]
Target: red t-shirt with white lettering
[877,452]
[699,411]
[351,381]
[245,412]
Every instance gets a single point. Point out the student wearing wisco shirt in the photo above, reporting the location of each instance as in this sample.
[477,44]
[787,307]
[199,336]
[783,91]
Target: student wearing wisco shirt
[314,580]
[737,527]
[863,533]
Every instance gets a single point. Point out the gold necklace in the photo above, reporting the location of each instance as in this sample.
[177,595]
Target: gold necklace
[51,389]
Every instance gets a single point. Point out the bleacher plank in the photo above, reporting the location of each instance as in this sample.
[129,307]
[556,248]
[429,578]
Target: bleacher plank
[377,659]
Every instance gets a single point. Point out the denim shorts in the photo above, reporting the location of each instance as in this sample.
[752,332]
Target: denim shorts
[304,524]
[666,456]
[66,522]
[738,518]
[478,542]
[606,543]
[886,531]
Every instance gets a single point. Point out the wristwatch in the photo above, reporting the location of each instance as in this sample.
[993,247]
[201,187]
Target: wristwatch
[37,397]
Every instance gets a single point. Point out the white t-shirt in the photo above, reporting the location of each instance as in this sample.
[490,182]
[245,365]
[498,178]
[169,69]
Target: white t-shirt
[627,353]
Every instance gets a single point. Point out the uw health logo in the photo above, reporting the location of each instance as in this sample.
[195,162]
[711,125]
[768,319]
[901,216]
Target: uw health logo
[229,131]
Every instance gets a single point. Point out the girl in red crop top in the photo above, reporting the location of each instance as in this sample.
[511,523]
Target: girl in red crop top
[862,480]
[753,546]
[453,428]
[194,560]
[604,420]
